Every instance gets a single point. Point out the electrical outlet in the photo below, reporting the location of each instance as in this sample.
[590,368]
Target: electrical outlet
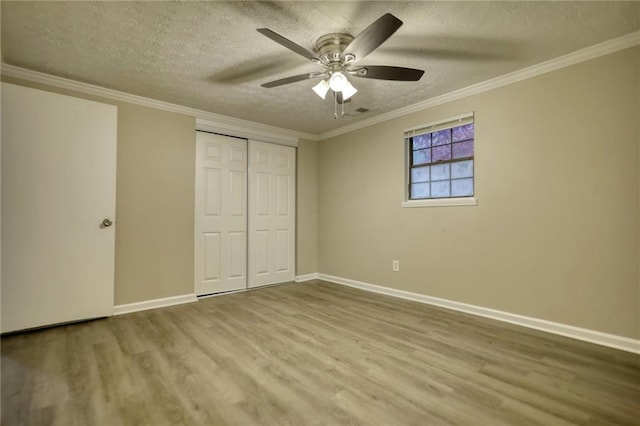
[396,265]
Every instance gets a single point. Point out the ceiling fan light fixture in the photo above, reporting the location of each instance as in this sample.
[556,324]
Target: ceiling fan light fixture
[321,88]
[338,54]
[348,90]
[337,81]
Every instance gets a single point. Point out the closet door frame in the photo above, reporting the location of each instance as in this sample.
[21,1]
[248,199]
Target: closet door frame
[276,273]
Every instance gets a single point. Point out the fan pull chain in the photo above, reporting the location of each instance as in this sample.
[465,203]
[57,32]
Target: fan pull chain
[335,106]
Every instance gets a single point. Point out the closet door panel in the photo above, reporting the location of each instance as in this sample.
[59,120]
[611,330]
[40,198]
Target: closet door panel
[271,213]
[221,214]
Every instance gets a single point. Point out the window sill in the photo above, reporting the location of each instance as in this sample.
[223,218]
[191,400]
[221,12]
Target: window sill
[442,202]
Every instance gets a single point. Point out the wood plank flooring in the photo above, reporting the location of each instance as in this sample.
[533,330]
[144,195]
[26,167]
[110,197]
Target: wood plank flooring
[311,354]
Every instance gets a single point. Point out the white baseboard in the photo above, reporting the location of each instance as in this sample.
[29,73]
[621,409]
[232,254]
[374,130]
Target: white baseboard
[306,277]
[154,303]
[597,337]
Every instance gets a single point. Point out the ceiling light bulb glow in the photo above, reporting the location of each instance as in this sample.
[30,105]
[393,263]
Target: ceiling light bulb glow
[337,81]
[321,88]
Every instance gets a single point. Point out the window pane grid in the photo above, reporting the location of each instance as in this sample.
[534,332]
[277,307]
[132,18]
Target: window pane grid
[441,163]
[462,150]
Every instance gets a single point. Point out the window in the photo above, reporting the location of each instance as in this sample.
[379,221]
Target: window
[440,160]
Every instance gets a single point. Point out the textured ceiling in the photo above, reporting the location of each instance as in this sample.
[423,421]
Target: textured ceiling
[209,56]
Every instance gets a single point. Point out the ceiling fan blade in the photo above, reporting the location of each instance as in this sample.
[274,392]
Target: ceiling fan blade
[287,43]
[292,79]
[373,36]
[255,69]
[382,72]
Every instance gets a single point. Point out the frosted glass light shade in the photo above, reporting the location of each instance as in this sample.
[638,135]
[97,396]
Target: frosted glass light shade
[337,81]
[348,90]
[321,88]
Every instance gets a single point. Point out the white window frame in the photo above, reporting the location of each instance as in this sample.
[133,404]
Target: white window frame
[428,128]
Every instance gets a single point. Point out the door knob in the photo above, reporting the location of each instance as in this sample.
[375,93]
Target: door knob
[107,222]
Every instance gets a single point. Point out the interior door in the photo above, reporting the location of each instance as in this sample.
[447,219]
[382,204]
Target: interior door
[221,214]
[58,185]
[272,177]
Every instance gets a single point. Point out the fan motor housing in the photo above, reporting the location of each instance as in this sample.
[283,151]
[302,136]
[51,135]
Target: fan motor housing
[329,47]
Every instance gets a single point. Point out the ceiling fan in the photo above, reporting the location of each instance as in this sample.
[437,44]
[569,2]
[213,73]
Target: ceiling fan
[339,53]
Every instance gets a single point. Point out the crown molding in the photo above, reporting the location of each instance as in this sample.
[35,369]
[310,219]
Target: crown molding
[237,127]
[588,53]
[221,123]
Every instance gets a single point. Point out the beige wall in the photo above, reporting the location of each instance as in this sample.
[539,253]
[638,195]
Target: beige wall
[555,232]
[155,201]
[155,204]
[307,208]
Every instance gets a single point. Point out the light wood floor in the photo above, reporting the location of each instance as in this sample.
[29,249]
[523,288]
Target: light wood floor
[311,354]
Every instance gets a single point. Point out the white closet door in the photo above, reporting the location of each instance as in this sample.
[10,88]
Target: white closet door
[58,185]
[272,176]
[221,214]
